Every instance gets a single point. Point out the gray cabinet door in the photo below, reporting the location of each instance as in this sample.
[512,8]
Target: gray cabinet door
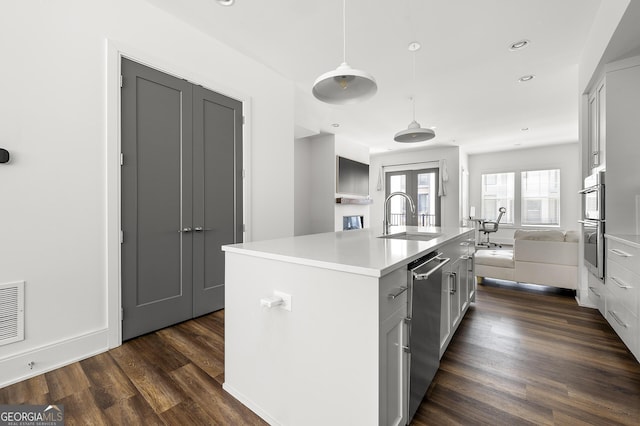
[217,208]
[181,197]
[156,200]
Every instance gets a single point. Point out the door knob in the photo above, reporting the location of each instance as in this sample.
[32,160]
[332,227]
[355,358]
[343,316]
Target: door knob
[185,230]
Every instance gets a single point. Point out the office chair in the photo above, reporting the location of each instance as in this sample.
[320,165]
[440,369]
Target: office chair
[489,226]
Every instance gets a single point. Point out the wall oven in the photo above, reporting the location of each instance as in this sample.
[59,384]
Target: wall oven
[593,223]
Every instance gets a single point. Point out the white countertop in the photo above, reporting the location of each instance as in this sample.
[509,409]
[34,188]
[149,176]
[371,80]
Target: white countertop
[632,240]
[357,251]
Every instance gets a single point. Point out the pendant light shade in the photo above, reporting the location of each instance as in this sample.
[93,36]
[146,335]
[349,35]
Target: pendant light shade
[344,85]
[414,133]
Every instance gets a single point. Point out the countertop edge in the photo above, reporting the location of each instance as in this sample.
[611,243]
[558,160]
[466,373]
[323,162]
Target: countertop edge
[308,262]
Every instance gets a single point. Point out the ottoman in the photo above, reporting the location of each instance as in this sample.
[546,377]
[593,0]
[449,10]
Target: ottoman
[495,264]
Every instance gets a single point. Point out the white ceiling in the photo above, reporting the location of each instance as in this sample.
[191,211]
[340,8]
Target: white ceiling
[466,76]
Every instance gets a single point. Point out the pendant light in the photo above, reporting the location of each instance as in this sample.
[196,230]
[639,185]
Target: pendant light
[344,85]
[414,133]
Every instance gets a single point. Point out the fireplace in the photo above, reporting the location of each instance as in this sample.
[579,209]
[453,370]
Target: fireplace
[352,222]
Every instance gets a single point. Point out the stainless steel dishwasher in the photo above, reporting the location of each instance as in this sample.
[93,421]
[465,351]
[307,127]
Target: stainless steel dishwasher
[423,323]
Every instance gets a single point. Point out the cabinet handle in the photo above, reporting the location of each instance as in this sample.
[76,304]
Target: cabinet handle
[593,290]
[620,253]
[454,287]
[620,283]
[185,230]
[618,320]
[397,293]
[201,229]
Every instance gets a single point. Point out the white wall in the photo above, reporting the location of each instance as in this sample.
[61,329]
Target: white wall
[302,187]
[449,204]
[54,107]
[565,157]
[314,184]
[323,178]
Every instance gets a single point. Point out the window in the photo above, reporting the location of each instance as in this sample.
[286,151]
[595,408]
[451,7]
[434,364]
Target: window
[498,190]
[540,197]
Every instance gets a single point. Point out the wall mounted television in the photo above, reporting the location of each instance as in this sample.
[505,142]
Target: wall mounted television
[352,177]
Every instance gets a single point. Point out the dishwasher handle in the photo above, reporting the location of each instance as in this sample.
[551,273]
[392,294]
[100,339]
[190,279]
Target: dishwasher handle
[426,275]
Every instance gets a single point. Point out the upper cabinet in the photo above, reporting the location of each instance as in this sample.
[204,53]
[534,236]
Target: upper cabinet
[622,200]
[597,135]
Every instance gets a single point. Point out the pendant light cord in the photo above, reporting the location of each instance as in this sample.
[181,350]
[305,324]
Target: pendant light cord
[413,97]
[344,31]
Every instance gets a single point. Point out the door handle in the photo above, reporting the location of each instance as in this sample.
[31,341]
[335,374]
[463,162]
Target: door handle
[185,230]
[201,229]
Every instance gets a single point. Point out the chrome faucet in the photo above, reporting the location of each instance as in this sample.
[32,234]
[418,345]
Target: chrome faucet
[386,222]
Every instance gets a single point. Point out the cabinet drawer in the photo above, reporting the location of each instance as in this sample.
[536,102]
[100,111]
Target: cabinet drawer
[597,293]
[624,255]
[393,292]
[623,286]
[623,322]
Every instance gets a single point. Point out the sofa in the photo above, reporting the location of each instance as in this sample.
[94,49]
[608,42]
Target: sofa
[547,257]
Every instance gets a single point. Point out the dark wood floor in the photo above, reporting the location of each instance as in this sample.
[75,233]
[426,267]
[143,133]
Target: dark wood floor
[519,357]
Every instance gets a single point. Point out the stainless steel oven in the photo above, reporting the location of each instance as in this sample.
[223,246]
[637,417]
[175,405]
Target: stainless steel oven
[593,197]
[593,223]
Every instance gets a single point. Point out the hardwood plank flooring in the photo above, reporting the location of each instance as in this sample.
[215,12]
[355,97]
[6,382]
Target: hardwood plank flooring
[520,357]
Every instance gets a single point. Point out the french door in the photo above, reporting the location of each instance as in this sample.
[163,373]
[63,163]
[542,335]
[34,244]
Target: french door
[422,187]
[181,197]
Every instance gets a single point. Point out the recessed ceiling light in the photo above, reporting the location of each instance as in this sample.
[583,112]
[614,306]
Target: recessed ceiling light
[336,124]
[519,45]
[525,129]
[226,2]
[526,78]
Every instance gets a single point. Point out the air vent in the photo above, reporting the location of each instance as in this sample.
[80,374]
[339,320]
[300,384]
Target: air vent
[11,312]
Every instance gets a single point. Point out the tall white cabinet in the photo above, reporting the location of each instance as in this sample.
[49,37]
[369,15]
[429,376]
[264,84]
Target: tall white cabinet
[612,145]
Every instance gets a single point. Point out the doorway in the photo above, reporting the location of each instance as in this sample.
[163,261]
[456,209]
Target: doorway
[181,195]
[422,187]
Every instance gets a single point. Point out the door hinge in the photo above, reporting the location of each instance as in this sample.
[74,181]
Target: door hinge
[243,120]
[121,81]
[121,314]
[244,228]
[121,159]
[244,173]
[121,236]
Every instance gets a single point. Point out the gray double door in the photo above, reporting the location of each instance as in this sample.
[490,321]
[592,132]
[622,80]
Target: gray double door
[181,197]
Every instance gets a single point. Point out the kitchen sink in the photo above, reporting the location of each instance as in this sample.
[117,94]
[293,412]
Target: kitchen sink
[415,236]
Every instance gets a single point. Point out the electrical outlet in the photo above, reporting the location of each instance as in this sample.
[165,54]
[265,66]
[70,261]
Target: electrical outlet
[286,298]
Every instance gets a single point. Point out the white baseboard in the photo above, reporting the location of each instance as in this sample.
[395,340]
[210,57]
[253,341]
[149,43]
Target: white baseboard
[250,404]
[16,368]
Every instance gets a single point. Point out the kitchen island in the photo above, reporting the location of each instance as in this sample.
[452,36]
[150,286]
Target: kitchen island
[315,324]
